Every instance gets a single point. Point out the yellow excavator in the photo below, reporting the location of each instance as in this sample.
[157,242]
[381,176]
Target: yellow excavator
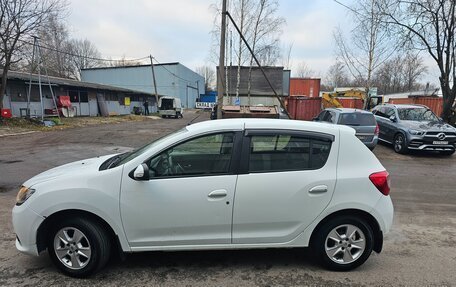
[330,99]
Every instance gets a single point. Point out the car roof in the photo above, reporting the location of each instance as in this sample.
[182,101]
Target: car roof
[257,123]
[348,110]
[405,106]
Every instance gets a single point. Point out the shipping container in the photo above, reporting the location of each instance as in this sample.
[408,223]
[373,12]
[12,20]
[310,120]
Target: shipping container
[353,103]
[435,104]
[402,101]
[305,87]
[304,108]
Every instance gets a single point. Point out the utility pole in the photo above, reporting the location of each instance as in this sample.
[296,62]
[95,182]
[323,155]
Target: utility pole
[155,82]
[221,67]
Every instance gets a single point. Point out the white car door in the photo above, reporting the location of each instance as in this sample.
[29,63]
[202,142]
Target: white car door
[188,199]
[288,180]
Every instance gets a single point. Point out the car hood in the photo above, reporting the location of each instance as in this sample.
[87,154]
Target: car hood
[70,169]
[428,126]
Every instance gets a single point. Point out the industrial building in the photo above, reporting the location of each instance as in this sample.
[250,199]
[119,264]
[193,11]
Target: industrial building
[84,97]
[260,91]
[172,80]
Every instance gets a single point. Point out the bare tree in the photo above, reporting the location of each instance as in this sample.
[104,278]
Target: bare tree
[337,76]
[430,26]
[265,33]
[19,20]
[209,76]
[287,63]
[370,45]
[84,54]
[400,74]
[261,28]
[303,71]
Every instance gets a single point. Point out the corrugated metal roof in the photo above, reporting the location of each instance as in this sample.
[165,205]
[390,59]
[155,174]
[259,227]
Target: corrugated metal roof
[68,82]
[132,66]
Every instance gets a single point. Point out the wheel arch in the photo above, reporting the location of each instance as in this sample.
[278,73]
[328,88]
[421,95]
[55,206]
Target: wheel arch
[377,232]
[44,229]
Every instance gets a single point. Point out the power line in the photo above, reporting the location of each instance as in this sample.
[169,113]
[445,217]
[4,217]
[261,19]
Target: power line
[81,56]
[348,7]
[162,65]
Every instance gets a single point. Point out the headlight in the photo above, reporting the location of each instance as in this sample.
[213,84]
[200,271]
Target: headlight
[23,194]
[416,132]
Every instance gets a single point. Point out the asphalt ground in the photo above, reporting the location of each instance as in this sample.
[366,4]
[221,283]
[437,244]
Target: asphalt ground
[419,251]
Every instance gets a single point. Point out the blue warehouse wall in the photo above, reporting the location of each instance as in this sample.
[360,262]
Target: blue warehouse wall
[173,80]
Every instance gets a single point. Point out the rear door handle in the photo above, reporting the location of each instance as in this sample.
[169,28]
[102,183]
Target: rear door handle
[318,189]
[217,194]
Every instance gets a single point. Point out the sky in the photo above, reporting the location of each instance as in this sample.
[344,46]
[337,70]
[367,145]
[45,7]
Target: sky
[179,30]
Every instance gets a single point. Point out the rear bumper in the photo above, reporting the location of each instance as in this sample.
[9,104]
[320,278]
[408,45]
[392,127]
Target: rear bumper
[384,212]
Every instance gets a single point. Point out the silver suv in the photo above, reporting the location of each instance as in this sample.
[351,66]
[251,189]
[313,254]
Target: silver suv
[414,127]
[362,121]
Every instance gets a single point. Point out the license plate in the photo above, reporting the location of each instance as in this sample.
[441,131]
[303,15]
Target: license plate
[440,142]
[361,137]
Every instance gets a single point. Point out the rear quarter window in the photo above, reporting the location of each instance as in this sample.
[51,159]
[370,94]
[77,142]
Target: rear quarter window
[357,119]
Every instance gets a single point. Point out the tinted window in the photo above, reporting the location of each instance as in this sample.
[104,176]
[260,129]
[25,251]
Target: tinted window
[357,119]
[329,117]
[384,112]
[417,114]
[286,152]
[200,156]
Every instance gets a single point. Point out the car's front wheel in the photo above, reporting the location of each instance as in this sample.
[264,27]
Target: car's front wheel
[79,247]
[343,243]
[400,144]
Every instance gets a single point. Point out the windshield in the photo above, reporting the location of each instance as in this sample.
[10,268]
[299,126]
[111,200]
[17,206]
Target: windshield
[126,157]
[417,114]
[357,119]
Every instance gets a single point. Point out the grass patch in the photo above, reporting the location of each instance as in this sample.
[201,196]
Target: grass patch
[15,125]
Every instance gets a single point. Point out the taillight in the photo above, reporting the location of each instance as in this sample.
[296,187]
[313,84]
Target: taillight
[381,181]
[377,130]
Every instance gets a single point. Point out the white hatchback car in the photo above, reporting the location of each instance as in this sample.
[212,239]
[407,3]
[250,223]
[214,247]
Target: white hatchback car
[225,184]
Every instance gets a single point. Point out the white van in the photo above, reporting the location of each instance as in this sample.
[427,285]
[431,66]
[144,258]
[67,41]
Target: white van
[170,107]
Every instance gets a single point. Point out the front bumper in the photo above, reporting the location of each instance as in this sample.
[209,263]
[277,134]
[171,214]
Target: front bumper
[25,224]
[427,144]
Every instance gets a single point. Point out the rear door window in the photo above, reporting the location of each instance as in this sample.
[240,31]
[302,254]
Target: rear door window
[357,119]
[284,152]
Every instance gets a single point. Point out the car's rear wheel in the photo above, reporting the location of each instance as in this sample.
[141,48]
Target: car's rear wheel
[400,144]
[79,247]
[343,243]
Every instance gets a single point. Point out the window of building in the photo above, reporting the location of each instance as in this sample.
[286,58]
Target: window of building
[74,96]
[207,155]
[282,152]
[84,96]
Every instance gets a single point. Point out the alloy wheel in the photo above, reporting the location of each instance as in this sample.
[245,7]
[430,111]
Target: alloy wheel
[345,244]
[72,248]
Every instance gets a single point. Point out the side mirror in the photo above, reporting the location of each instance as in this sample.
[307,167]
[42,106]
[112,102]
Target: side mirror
[393,119]
[141,172]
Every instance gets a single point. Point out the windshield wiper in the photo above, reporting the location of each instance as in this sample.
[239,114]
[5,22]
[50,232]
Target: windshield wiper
[115,160]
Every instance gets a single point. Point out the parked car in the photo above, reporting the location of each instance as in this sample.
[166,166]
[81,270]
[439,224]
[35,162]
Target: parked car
[229,184]
[170,107]
[362,121]
[414,127]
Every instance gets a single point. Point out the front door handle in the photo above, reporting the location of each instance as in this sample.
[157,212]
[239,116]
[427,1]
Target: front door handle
[318,189]
[218,194]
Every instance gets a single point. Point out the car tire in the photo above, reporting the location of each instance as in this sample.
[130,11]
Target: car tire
[79,247]
[335,248]
[447,153]
[400,144]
